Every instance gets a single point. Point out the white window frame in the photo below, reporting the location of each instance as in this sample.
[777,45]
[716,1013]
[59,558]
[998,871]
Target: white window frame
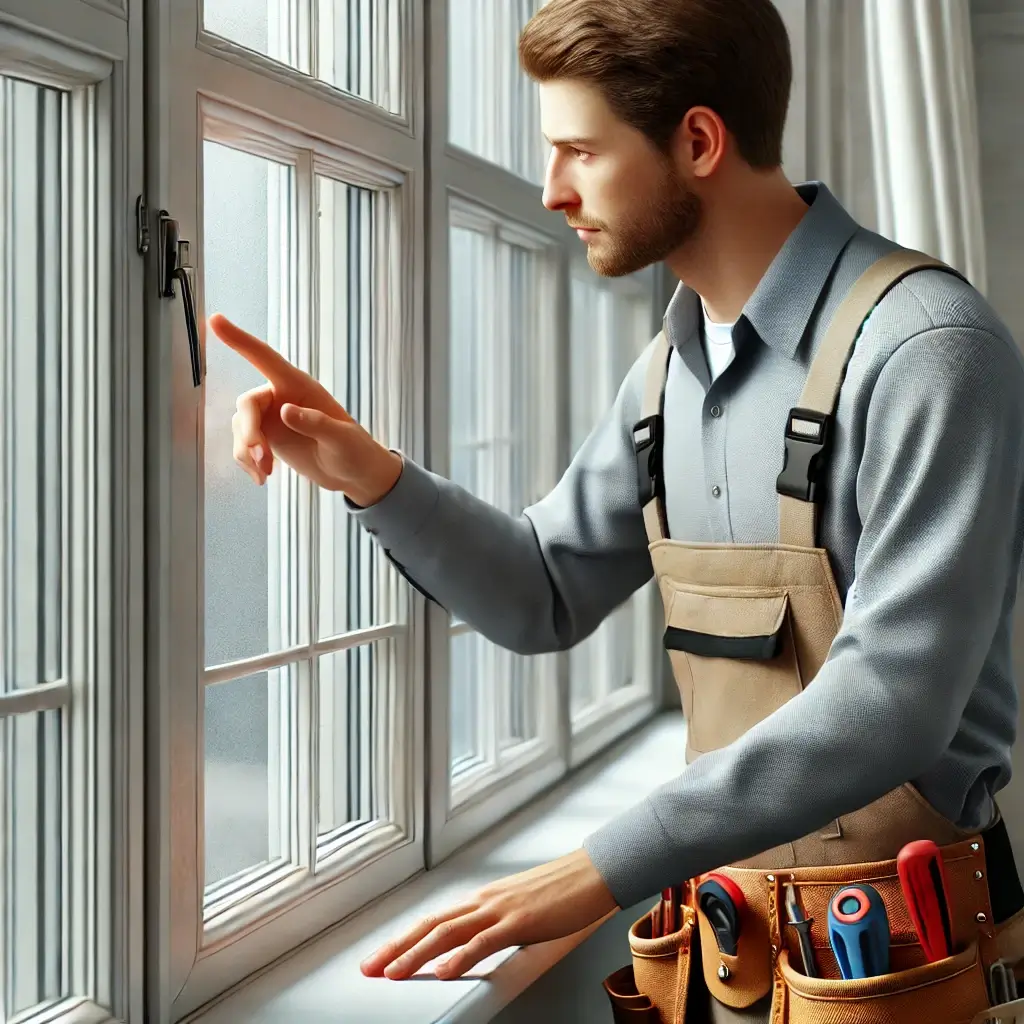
[200,83]
[94,49]
[210,85]
[539,756]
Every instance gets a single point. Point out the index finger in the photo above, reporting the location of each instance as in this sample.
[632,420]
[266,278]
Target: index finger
[262,356]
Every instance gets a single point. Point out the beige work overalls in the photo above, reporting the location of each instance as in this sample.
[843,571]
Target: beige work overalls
[747,627]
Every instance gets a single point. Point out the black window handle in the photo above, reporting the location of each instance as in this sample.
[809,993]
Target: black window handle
[172,253]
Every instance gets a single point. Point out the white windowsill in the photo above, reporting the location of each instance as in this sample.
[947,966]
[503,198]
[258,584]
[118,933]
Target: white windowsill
[322,982]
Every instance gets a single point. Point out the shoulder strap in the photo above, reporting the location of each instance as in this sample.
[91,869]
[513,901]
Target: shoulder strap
[648,435]
[809,427]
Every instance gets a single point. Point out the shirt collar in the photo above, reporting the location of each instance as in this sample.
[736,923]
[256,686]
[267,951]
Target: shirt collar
[781,306]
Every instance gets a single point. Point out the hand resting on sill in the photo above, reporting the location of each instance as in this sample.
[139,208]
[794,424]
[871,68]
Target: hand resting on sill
[547,902]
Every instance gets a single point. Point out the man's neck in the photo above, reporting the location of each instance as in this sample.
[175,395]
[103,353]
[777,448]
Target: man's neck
[740,236]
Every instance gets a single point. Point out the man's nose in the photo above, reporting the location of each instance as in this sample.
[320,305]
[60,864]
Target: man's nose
[558,191]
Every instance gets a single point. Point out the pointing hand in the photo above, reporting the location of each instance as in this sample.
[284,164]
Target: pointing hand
[294,418]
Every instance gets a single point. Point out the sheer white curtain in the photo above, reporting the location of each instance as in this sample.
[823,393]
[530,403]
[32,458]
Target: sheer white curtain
[924,120]
[893,121]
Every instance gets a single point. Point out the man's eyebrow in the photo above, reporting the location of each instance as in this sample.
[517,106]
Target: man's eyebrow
[575,140]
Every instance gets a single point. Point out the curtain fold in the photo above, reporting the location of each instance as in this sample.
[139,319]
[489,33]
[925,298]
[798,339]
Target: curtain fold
[893,122]
[924,126]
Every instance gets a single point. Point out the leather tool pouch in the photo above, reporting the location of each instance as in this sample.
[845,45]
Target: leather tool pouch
[655,988]
[947,991]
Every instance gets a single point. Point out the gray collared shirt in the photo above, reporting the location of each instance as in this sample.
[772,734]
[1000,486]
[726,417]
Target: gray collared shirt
[923,525]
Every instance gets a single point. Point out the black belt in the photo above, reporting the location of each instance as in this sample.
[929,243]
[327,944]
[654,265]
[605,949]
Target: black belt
[1004,888]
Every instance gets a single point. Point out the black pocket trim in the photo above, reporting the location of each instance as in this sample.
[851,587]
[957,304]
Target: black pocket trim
[708,645]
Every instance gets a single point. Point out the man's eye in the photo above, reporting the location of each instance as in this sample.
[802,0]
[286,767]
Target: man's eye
[581,154]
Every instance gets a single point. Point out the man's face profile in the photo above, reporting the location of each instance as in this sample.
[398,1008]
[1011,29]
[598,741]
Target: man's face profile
[607,177]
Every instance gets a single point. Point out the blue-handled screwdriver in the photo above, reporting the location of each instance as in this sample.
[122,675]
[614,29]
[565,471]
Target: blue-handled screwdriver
[858,929]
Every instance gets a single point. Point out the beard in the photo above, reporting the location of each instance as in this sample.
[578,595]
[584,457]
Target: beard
[657,228]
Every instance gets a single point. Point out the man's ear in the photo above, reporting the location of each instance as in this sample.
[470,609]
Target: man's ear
[699,142]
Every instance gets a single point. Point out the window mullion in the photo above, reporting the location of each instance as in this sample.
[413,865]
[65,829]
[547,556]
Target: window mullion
[303,26]
[7,149]
[78,381]
[301,772]
[326,567]
[494,664]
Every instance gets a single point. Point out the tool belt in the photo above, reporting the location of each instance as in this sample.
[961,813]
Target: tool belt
[986,918]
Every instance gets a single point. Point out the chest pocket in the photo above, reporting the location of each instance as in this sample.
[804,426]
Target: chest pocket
[734,658]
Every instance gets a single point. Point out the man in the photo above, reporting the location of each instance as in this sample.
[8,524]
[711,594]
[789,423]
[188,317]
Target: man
[665,121]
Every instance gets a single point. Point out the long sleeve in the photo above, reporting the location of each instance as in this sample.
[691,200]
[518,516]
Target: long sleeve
[939,494]
[540,581]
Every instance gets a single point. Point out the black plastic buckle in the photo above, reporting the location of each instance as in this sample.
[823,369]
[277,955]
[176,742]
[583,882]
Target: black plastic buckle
[647,435]
[807,436]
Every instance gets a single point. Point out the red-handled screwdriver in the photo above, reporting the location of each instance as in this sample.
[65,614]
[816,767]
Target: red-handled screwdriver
[923,880]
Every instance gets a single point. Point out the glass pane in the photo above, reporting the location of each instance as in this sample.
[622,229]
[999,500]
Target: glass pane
[360,48]
[246,755]
[358,42]
[33,255]
[500,374]
[32,892]
[356,581]
[498,379]
[356,722]
[247,22]
[468,651]
[608,331]
[493,107]
[255,546]
[605,661]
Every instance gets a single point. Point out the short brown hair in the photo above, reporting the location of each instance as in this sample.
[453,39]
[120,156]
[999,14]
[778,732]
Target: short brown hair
[653,60]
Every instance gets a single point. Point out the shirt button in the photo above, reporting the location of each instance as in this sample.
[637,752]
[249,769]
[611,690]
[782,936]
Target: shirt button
[716,411]
[716,491]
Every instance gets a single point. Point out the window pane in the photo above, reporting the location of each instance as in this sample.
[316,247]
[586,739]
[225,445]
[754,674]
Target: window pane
[604,661]
[360,48]
[357,41]
[493,107]
[469,653]
[247,750]
[501,371]
[33,885]
[255,547]
[356,581]
[357,723]
[33,187]
[609,330]
[494,699]
[247,22]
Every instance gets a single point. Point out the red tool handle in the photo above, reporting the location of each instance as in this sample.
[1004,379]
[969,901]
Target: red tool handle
[923,880]
[734,891]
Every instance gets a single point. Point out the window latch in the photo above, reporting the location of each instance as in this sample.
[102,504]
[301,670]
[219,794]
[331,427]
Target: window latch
[173,254]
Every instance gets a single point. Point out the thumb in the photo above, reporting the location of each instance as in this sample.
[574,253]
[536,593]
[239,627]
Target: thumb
[310,422]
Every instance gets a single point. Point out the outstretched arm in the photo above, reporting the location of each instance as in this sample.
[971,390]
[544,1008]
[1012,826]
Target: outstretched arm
[535,582]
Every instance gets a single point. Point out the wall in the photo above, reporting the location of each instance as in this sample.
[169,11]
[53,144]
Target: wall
[998,31]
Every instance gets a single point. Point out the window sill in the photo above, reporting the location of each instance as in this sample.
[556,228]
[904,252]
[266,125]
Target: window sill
[323,978]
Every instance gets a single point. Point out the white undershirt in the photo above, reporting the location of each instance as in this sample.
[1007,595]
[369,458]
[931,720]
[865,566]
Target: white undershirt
[718,346]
